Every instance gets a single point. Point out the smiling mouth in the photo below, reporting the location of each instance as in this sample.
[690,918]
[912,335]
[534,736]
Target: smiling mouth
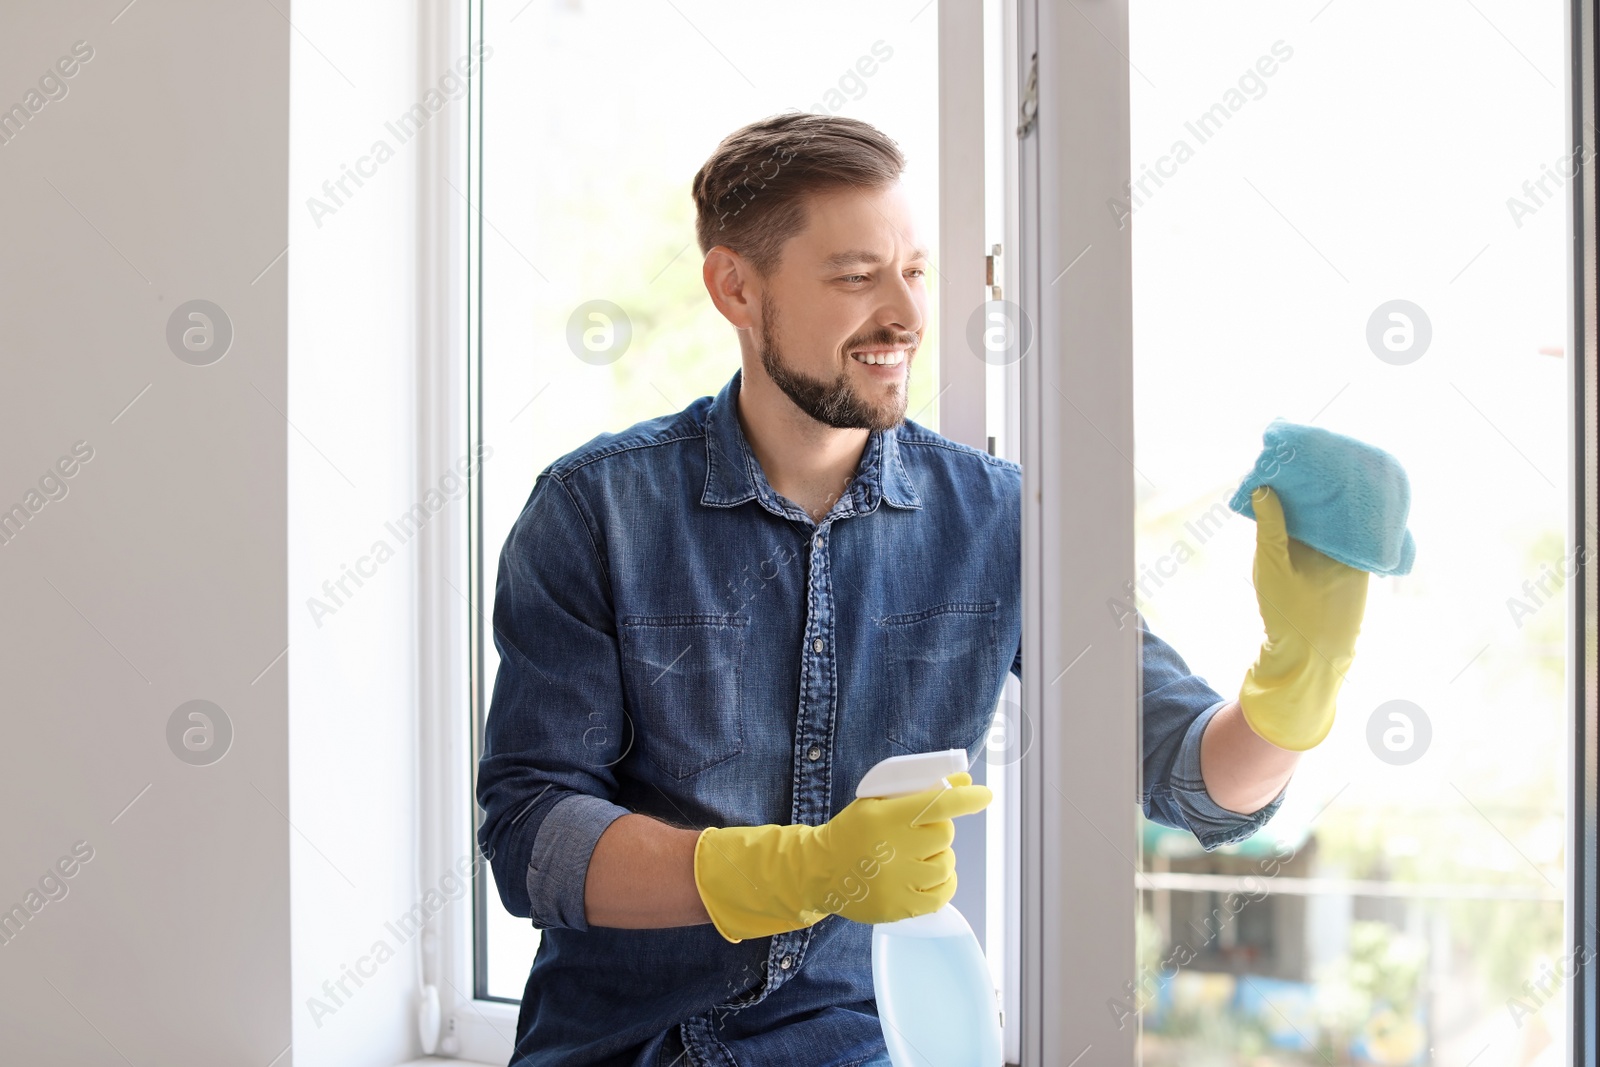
[880,358]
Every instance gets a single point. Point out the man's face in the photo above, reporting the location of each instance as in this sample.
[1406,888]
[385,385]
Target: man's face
[850,285]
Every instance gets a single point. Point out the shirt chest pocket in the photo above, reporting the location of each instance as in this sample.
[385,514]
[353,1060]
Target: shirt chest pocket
[683,676]
[938,666]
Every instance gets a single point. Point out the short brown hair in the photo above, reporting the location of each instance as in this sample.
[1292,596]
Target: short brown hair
[750,195]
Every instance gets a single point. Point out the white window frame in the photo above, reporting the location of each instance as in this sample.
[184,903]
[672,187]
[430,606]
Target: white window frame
[450,256]
[1079,780]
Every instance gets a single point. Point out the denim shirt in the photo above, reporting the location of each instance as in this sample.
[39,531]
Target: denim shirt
[678,640]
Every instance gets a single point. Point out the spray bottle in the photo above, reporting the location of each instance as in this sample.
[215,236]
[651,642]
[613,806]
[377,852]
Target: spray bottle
[936,997]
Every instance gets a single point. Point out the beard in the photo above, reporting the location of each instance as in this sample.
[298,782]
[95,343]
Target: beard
[835,403]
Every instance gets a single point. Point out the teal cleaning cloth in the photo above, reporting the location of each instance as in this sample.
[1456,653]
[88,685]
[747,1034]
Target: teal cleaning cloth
[1345,498]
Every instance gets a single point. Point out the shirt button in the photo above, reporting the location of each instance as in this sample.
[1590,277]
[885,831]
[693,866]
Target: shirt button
[819,540]
[816,646]
[785,962]
[815,753]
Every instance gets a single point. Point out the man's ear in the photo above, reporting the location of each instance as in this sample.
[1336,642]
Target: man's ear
[726,277]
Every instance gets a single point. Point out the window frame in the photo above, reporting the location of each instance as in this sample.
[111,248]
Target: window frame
[1080,777]
[1583,594]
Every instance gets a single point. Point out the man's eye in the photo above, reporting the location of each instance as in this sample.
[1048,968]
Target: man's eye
[916,271]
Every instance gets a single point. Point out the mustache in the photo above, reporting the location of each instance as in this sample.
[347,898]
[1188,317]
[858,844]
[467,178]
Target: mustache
[909,340]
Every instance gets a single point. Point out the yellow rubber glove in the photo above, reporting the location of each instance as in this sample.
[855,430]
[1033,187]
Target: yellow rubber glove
[1312,606]
[879,859]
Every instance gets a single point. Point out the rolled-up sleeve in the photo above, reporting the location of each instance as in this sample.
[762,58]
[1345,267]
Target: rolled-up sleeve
[556,722]
[1176,707]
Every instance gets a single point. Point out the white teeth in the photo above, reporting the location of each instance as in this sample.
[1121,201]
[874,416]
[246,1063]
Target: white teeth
[879,358]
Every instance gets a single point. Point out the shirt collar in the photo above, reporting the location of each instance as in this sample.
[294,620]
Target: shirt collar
[733,475]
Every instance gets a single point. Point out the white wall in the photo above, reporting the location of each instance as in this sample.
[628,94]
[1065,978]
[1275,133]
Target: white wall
[159,578]
[178,564]
[354,676]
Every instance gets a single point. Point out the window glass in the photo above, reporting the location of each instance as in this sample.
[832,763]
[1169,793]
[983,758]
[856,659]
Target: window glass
[1351,216]
[597,114]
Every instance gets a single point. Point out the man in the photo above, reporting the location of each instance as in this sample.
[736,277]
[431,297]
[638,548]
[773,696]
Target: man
[712,623]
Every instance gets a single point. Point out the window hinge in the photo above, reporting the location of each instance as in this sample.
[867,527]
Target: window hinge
[1029,108]
[991,272]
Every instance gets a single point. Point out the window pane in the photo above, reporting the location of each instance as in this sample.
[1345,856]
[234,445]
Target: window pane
[1299,172]
[596,117]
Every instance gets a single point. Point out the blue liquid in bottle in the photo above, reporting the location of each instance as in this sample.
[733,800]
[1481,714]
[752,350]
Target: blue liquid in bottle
[935,996]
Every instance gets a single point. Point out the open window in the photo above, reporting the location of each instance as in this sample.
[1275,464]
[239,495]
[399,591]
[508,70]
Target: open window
[588,311]
[1205,216]
[1378,222]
